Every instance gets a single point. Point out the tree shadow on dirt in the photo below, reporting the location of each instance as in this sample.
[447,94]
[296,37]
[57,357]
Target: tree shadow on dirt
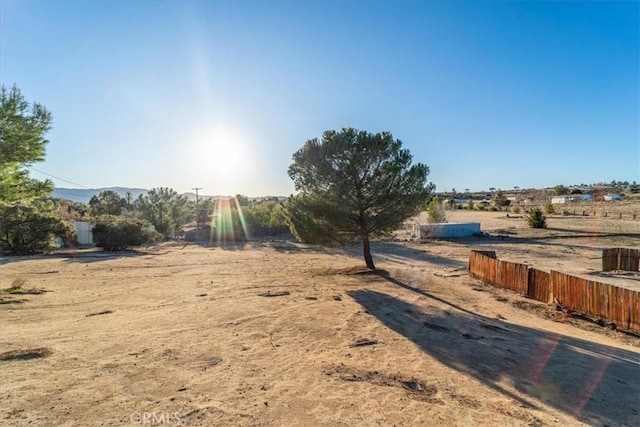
[76,256]
[230,245]
[291,246]
[594,383]
[97,256]
[401,253]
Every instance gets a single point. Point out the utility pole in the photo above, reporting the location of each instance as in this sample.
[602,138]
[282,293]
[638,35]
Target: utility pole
[197,213]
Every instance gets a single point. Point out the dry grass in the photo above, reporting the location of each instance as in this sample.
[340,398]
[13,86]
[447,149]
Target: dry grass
[18,287]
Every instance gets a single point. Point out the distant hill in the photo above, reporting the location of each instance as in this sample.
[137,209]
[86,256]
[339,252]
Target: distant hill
[84,195]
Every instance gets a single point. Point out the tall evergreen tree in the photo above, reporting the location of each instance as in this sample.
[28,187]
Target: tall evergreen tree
[28,217]
[354,185]
[22,142]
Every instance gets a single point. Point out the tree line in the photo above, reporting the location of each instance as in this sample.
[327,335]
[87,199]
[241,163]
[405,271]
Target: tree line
[351,186]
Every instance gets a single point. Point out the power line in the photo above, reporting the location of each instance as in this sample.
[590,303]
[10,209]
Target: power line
[61,179]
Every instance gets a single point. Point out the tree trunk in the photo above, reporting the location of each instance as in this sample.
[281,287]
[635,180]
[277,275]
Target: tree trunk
[366,250]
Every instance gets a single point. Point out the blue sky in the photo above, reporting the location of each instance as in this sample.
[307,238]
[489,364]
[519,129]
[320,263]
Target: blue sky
[220,94]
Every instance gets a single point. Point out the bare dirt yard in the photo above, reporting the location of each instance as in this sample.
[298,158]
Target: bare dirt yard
[274,333]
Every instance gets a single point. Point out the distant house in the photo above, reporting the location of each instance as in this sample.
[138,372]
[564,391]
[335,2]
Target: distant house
[561,199]
[587,198]
[612,197]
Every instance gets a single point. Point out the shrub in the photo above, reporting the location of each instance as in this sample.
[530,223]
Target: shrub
[515,209]
[435,211]
[115,233]
[499,200]
[470,204]
[548,208]
[536,219]
[68,233]
[28,229]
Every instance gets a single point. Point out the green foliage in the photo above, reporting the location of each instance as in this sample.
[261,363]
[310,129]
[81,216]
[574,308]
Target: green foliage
[435,211]
[22,142]
[28,220]
[548,208]
[23,128]
[559,190]
[17,187]
[68,233]
[165,209]
[107,203]
[470,204]
[114,233]
[536,219]
[515,209]
[204,211]
[499,200]
[70,210]
[267,214]
[353,185]
[29,228]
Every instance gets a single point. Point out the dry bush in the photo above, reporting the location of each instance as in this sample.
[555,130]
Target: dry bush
[18,283]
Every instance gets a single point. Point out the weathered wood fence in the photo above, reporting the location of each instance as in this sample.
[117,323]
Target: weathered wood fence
[594,299]
[621,259]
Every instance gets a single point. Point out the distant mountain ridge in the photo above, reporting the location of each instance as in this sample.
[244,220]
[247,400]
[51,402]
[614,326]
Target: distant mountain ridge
[83,195]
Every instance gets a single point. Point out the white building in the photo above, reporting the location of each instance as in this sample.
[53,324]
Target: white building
[612,197]
[84,232]
[561,199]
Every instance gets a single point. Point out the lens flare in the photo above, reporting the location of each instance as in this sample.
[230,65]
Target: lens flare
[243,222]
[230,224]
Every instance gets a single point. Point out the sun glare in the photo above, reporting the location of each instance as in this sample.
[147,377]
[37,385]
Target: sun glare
[223,149]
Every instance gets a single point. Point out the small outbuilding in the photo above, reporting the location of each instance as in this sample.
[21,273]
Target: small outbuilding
[561,199]
[446,230]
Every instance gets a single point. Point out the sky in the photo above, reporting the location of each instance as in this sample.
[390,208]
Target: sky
[220,94]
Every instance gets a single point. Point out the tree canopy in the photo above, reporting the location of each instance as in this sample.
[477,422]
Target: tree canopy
[353,185]
[28,217]
[165,209]
[108,202]
[559,190]
[22,142]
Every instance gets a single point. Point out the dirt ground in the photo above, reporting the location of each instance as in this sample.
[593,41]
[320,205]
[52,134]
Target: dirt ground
[280,333]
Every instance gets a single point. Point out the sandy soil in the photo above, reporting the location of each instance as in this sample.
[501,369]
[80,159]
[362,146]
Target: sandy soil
[280,333]
[570,244]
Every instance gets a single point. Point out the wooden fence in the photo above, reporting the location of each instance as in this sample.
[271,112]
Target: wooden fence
[594,299]
[539,286]
[621,259]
